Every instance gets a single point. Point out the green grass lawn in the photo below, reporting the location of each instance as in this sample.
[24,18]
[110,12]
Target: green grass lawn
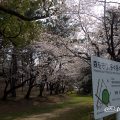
[80,109]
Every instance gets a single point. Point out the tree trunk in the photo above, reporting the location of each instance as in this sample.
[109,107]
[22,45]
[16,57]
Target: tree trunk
[14,73]
[28,93]
[27,96]
[5,91]
[42,85]
[51,85]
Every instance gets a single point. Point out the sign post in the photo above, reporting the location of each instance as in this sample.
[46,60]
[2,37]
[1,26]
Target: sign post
[100,119]
[118,116]
[106,87]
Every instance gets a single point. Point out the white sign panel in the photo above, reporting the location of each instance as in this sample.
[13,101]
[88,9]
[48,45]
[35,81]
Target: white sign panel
[106,86]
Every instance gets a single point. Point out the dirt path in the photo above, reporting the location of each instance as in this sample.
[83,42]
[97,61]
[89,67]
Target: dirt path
[45,116]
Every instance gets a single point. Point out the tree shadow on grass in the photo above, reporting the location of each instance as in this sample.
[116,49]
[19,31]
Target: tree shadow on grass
[25,109]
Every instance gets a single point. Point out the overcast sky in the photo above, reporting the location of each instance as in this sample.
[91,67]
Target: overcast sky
[100,7]
[97,8]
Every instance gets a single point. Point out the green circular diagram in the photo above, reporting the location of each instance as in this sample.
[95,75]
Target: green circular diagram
[105,96]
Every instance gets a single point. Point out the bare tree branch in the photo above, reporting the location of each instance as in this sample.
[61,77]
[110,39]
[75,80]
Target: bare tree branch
[22,17]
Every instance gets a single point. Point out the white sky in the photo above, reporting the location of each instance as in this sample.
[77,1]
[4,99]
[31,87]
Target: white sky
[98,8]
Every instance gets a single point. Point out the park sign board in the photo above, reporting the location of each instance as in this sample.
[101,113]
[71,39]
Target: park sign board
[106,86]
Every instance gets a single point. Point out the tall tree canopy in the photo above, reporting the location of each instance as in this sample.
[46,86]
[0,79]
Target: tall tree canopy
[18,19]
[28,10]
